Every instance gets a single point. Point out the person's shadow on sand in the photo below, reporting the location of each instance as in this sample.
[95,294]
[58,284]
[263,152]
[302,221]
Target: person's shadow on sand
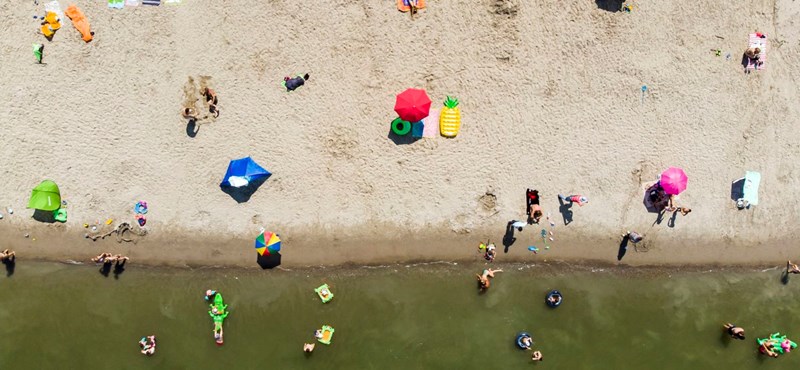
[566,211]
[623,248]
[671,222]
[11,264]
[192,128]
[509,238]
[119,268]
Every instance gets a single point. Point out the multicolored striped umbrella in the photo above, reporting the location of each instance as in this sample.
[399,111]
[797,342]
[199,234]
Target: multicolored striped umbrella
[268,242]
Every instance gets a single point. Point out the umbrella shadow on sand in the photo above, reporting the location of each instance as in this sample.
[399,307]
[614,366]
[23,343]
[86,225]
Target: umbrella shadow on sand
[401,140]
[44,216]
[243,194]
[270,261]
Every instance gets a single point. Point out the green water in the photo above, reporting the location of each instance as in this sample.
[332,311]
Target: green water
[423,317]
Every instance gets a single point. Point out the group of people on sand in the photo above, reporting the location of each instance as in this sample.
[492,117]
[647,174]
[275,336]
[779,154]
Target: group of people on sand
[108,258]
[212,101]
[665,202]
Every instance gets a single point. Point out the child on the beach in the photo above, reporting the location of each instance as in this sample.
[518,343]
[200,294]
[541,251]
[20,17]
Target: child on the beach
[580,199]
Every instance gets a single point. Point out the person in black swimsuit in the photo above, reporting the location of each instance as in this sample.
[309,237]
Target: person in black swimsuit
[734,331]
[294,83]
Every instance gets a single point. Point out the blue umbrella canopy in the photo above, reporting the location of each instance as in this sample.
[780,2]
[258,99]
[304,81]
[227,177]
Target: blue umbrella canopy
[242,171]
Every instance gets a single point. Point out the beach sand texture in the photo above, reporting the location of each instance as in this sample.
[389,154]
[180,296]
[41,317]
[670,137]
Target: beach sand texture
[550,98]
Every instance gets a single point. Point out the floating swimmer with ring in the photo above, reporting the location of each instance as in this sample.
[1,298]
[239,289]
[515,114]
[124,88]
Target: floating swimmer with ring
[554,299]
[524,340]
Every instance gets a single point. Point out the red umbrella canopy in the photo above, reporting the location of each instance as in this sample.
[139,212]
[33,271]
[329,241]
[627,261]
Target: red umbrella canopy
[412,105]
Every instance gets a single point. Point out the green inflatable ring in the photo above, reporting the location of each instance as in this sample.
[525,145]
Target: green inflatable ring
[60,215]
[400,127]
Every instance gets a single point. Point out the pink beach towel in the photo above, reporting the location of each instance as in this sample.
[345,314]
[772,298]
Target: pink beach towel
[132,2]
[431,123]
[758,42]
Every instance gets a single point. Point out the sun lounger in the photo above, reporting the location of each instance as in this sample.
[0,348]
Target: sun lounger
[750,183]
[761,43]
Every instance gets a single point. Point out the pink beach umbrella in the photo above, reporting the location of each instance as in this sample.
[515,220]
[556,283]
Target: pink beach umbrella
[673,180]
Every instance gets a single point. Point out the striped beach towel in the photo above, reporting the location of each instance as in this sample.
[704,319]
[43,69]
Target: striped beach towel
[116,4]
[151,2]
[761,43]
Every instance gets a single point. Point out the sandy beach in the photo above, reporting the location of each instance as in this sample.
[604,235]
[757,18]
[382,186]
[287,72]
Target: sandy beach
[550,98]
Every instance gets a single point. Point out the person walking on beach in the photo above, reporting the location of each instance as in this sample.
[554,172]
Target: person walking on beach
[633,236]
[734,331]
[7,255]
[580,199]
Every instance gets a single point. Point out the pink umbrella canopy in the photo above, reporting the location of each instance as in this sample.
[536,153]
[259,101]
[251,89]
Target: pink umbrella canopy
[412,105]
[673,180]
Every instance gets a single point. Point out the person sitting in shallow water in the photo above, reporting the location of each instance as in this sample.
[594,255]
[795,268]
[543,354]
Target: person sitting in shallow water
[102,258]
[792,268]
[734,331]
[483,280]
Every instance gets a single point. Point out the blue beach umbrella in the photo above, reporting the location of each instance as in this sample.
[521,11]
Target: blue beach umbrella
[242,171]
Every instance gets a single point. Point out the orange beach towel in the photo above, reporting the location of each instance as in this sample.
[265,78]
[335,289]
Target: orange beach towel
[79,21]
[403,7]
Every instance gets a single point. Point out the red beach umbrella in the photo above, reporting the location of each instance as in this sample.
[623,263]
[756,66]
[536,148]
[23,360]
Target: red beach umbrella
[412,105]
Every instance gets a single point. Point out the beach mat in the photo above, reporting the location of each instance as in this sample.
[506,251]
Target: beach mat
[116,4]
[402,5]
[132,2]
[172,2]
[151,2]
[758,42]
[431,123]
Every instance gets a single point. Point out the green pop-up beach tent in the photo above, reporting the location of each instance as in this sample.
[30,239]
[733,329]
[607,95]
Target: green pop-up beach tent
[45,197]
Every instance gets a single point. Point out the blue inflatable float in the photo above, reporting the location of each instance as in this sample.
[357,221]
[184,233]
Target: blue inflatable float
[524,340]
[554,299]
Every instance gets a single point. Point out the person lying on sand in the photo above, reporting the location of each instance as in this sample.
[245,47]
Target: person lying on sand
[734,331]
[7,255]
[754,54]
[102,258]
[790,268]
[684,210]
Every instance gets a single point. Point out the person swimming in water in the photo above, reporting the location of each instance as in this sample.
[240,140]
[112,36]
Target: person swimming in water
[483,279]
[527,342]
[308,347]
[148,345]
[537,356]
[734,331]
[555,299]
[766,348]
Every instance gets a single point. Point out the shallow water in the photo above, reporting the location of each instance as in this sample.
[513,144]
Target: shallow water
[431,317]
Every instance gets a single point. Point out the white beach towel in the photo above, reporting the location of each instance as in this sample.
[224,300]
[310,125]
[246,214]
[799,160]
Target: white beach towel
[151,2]
[172,2]
[116,4]
[55,7]
[132,2]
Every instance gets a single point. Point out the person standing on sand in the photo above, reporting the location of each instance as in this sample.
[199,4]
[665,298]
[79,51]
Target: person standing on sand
[633,236]
[211,99]
[580,199]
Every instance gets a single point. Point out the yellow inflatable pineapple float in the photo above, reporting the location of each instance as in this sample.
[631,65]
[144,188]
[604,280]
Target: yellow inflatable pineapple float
[450,118]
